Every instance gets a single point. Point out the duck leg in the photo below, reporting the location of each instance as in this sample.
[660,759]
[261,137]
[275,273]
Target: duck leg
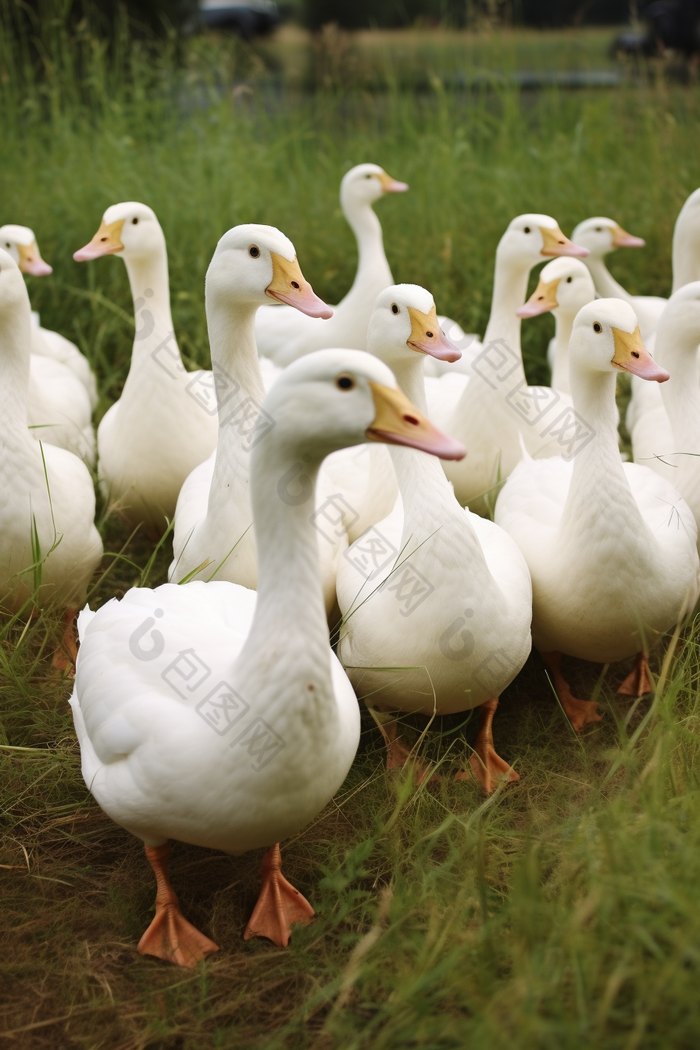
[398,753]
[65,656]
[638,681]
[579,712]
[170,936]
[279,904]
[486,765]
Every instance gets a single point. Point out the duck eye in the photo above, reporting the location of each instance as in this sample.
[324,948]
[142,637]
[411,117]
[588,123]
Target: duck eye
[134,221]
[599,229]
[527,230]
[7,244]
[394,308]
[597,327]
[369,176]
[569,280]
[345,382]
[254,251]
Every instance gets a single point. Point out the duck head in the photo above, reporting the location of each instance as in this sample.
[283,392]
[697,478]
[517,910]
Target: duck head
[601,235]
[530,238]
[405,323]
[564,284]
[606,338]
[20,243]
[257,263]
[366,183]
[129,229]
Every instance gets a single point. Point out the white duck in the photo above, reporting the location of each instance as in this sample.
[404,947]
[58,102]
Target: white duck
[564,287]
[686,269]
[492,412]
[283,335]
[436,601]
[164,423]
[20,243]
[602,236]
[213,536]
[49,546]
[667,439]
[611,546]
[210,715]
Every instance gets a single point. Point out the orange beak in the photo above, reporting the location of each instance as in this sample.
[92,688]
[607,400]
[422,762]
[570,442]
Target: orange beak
[288,286]
[622,239]
[390,185]
[106,241]
[398,422]
[554,243]
[631,355]
[428,338]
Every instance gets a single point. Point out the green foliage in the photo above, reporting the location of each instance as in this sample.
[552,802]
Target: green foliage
[561,912]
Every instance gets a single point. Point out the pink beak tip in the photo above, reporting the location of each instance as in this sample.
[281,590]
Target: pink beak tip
[39,269]
[455,450]
[397,187]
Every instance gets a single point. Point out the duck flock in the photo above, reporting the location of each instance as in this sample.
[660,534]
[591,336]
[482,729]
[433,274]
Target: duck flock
[367,465]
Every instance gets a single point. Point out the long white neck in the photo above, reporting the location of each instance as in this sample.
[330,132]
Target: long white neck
[240,394]
[676,351]
[605,283]
[562,334]
[150,288]
[15,341]
[509,292]
[599,496]
[429,503]
[686,254]
[289,631]
[372,267]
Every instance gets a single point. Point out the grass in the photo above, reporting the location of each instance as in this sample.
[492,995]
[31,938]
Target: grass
[559,913]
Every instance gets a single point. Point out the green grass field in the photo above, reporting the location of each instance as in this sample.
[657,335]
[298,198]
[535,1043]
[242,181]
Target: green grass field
[562,912]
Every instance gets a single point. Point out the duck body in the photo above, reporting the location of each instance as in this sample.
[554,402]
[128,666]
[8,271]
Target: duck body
[610,546]
[49,546]
[58,408]
[164,422]
[600,593]
[162,760]
[442,627]
[283,334]
[56,347]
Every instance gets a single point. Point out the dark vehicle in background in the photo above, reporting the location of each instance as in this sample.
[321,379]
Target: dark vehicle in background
[245,19]
[672,25]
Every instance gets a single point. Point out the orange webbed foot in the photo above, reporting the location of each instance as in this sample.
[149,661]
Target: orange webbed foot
[486,765]
[170,936]
[579,712]
[489,769]
[279,904]
[638,681]
[65,657]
